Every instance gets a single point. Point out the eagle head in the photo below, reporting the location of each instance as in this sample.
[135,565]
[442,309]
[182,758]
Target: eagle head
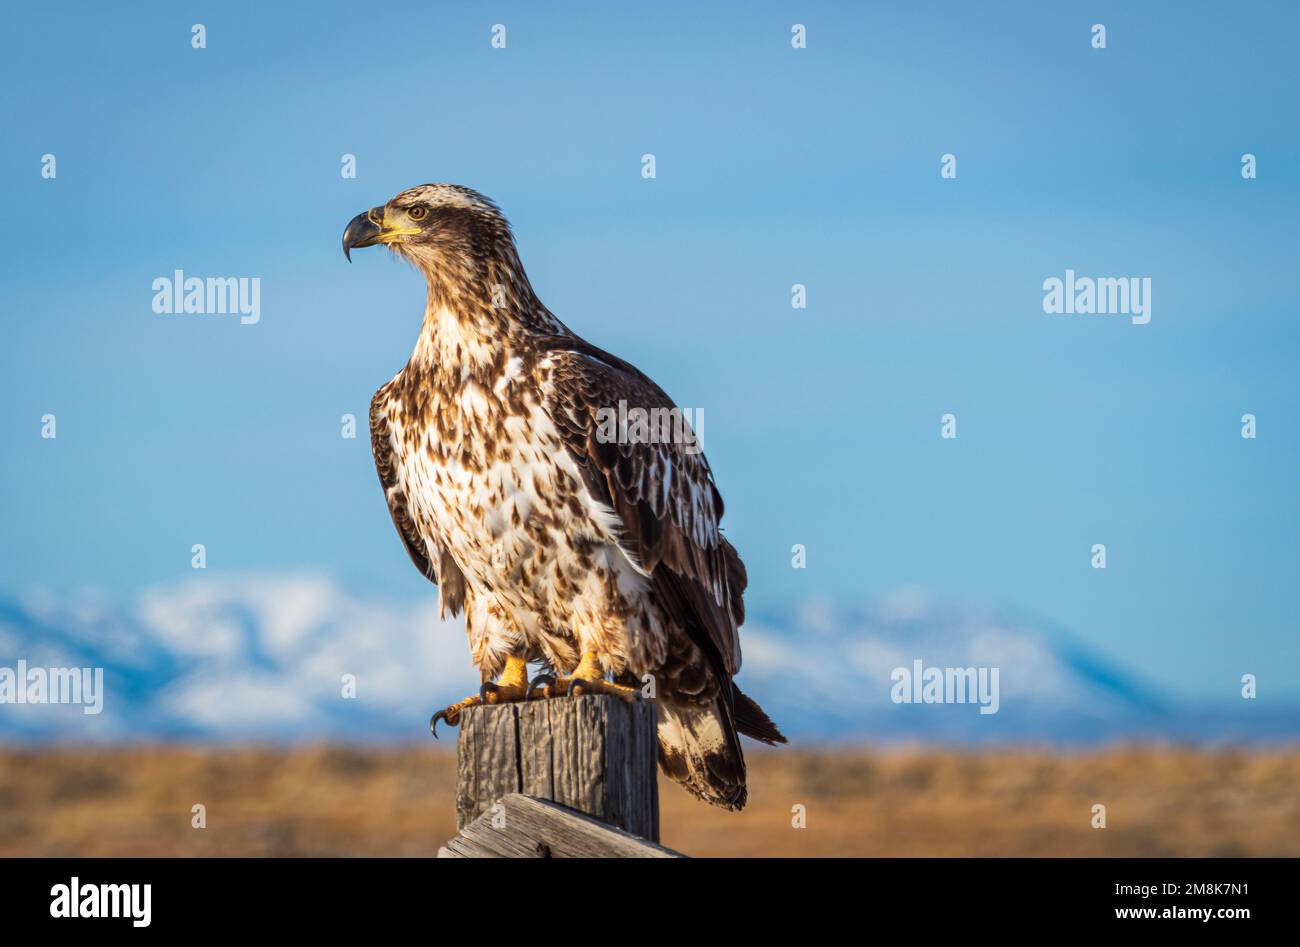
[436,227]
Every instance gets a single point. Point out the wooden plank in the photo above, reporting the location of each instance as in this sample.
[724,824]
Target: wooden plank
[487,767]
[596,754]
[522,827]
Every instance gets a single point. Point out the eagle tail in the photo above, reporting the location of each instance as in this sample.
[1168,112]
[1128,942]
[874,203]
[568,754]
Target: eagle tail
[752,721]
[699,746]
[699,749]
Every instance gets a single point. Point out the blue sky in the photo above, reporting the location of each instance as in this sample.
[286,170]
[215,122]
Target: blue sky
[774,166]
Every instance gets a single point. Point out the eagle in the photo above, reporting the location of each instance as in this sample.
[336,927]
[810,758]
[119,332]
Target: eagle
[570,545]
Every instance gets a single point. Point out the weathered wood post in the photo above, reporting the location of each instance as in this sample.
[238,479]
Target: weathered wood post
[593,754]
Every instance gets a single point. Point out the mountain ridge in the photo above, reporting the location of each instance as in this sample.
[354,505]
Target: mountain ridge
[263,658]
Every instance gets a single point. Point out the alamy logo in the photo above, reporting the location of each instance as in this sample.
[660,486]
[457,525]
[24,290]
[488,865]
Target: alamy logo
[38,685]
[216,295]
[1103,296]
[78,900]
[932,685]
[624,425]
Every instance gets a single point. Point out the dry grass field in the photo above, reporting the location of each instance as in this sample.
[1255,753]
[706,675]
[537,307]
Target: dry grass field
[395,801]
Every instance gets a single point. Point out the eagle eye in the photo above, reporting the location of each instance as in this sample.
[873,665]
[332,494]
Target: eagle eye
[418,212]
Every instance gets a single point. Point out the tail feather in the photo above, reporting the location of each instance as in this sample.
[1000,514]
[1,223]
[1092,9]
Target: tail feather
[699,746]
[752,721]
[698,749]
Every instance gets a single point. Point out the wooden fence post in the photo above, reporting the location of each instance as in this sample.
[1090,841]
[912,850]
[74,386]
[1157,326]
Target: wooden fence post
[594,754]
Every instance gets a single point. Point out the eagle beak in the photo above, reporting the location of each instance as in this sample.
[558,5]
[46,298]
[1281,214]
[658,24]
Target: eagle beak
[374,226]
[362,231]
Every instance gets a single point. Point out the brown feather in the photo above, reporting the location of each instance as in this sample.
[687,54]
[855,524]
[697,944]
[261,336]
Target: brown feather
[445,574]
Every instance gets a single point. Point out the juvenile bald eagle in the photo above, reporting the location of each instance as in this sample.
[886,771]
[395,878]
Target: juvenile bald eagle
[591,555]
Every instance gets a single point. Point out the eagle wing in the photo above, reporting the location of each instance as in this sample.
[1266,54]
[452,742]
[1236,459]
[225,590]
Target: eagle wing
[434,563]
[664,494]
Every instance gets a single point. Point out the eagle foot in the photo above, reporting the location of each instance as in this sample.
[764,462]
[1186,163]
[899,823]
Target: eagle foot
[511,685]
[587,678]
[546,686]
[452,714]
[542,687]
[578,685]
[491,693]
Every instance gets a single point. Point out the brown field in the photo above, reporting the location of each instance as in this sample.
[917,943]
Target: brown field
[347,801]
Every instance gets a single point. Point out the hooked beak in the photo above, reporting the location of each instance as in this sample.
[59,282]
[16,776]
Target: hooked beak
[370,228]
[362,231]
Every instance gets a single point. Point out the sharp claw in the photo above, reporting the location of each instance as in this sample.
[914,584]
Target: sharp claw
[541,687]
[487,688]
[575,682]
[433,722]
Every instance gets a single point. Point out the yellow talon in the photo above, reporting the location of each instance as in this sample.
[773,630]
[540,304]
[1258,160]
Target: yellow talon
[452,714]
[587,678]
[511,685]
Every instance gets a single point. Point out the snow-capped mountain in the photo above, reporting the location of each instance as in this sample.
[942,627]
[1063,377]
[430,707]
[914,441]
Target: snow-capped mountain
[267,658]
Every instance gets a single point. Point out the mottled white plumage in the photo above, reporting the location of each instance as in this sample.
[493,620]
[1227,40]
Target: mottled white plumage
[561,548]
